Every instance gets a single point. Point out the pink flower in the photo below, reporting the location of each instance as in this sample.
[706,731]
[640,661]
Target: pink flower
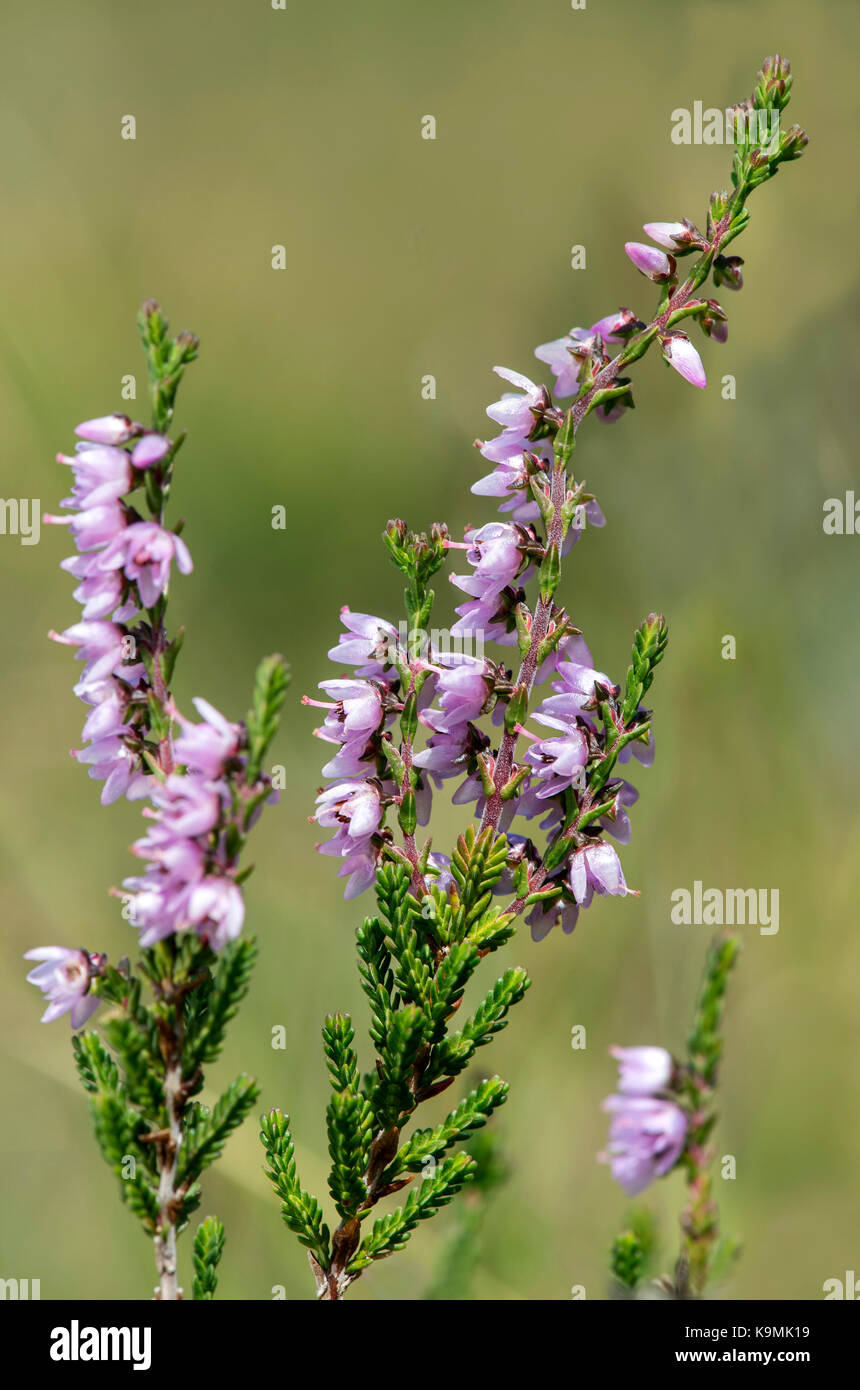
[94,526]
[596,869]
[369,643]
[680,354]
[188,805]
[558,762]
[108,429]
[144,551]
[216,910]
[642,1071]
[101,475]
[651,262]
[100,591]
[104,647]
[149,450]
[519,416]
[646,1139]
[675,236]
[205,747]
[64,979]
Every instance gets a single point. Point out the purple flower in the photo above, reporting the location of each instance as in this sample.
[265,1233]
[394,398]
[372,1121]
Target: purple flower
[675,236]
[100,591]
[102,474]
[108,429]
[497,555]
[642,1071]
[646,1139]
[206,747]
[64,978]
[544,916]
[558,762]
[216,910]
[144,551]
[619,827]
[369,643]
[519,415]
[94,526]
[447,754]
[188,805]
[575,688]
[597,869]
[463,686]
[149,450]
[104,649]
[653,263]
[115,764]
[680,354]
[354,717]
[352,808]
[564,356]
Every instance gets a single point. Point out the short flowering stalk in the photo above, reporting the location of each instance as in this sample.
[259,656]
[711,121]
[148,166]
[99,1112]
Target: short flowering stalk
[700,1218]
[662,1119]
[437,916]
[165,1019]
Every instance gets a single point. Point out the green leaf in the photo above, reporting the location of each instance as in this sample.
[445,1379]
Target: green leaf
[349,1122]
[391,1232]
[205,1033]
[207,1131]
[205,1256]
[470,1115]
[301,1211]
[455,1052]
[270,691]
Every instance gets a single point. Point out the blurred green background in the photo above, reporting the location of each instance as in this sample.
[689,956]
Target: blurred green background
[406,257]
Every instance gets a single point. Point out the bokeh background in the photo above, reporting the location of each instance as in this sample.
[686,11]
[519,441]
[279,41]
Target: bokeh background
[407,257]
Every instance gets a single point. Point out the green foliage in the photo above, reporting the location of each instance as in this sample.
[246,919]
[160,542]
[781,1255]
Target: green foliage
[216,1002]
[302,1213]
[207,1131]
[205,1256]
[626,1259]
[471,1114]
[391,1232]
[118,1128]
[415,961]
[705,1042]
[270,691]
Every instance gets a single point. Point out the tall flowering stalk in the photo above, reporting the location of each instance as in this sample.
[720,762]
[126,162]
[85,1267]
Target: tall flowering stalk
[165,1018]
[439,916]
[663,1117]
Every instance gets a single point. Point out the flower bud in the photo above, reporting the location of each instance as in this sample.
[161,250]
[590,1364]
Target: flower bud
[680,354]
[727,271]
[680,237]
[655,264]
[108,429]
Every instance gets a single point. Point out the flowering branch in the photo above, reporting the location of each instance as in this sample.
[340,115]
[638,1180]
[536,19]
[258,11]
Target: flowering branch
[205,785]
[437,918]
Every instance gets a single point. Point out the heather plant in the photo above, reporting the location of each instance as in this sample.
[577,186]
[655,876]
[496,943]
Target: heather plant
[165,1018]
[663,1118]
[537,750]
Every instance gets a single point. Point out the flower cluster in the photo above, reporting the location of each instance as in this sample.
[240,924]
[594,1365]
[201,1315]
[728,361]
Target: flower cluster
[205,787]
[197,822]
[123,566]
[648,1129]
